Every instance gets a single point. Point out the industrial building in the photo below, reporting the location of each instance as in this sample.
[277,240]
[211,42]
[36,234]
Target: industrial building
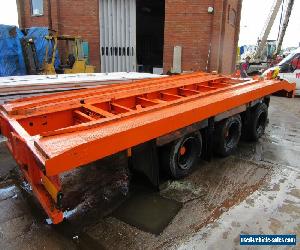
[142,35]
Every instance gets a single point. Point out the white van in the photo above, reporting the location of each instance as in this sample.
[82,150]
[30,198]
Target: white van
[289,69]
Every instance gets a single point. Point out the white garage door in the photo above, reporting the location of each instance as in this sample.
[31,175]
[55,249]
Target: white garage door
[117,35]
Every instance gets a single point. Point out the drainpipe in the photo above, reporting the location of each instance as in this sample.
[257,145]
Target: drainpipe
[237,34]
[221,45]
[208,62]
[49,15]
[21,14]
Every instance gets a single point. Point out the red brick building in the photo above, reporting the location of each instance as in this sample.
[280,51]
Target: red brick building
[144,33]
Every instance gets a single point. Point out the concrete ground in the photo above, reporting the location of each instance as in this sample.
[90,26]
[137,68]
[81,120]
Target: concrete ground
[255,191]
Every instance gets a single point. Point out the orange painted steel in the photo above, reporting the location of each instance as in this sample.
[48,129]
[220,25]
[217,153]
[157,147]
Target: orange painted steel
[55,133]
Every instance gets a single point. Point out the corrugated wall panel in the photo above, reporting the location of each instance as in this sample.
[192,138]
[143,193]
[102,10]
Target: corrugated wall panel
[117,35]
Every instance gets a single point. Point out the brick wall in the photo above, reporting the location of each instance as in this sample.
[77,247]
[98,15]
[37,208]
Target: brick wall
[80,17]
[26,19]
[208,40]
[187,24]
[68,17]
[229,35]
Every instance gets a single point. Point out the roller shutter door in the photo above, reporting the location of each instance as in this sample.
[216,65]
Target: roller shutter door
[117,35]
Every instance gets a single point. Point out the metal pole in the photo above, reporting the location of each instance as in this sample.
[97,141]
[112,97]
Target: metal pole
[267,28]
[284,25]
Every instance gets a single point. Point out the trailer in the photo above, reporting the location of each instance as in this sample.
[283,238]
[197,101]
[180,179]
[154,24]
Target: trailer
[165,123]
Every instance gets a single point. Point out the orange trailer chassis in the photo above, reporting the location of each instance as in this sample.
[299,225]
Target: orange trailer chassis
[52,134]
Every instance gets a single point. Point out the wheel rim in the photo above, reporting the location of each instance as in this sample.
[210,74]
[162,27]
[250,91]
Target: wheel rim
[261,123]
[231,137]
[187,153]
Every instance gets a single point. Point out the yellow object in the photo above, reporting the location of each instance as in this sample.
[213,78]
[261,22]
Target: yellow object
[48,64]
[275,73]
[50,187]
[74,58]
[238,55]
[80,67]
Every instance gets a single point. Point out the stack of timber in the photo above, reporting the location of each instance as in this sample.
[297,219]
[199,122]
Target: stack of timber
[15,87]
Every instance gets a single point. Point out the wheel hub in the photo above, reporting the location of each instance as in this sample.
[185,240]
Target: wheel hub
[187,153]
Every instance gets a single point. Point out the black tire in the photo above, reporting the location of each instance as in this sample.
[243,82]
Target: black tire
[227,135]
[178,164]
[255,126]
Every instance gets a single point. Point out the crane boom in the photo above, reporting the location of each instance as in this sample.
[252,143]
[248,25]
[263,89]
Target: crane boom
[284,25]
[267,28]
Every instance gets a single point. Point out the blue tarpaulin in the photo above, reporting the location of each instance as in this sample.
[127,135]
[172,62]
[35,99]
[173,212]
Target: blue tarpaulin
[11,55]
[242,50]
[38,35]
[12,61]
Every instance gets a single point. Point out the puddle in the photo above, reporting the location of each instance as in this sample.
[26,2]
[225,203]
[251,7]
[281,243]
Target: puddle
[2,139]
[183,191]
[7,192]
[148,211]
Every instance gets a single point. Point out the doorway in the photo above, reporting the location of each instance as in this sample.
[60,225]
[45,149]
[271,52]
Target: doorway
[150,20]
[131,35]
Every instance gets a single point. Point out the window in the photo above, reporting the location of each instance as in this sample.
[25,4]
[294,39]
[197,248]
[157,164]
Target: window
[228,12]
[37,8]
[231,16]
[290,63]
[296,62]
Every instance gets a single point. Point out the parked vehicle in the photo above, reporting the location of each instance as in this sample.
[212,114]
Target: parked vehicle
[288,69]
[266,50]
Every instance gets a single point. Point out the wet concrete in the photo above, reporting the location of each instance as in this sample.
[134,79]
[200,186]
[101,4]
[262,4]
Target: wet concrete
[147,210]
[273,209]
[7,164]
[257,190]
[19,228]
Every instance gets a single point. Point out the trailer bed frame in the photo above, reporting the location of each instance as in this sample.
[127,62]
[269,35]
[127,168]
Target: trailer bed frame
[48,135]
